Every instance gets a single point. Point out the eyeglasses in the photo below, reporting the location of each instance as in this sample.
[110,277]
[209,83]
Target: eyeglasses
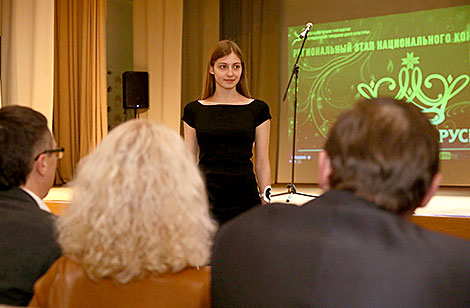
[59,153]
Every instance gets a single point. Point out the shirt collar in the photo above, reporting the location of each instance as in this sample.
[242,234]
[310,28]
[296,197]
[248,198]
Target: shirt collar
[38,200]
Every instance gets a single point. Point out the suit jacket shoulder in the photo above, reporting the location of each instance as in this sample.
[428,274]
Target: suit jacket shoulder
[336,251]
[28,236]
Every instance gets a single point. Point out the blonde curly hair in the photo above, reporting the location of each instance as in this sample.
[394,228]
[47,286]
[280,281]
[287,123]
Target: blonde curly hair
[139,206]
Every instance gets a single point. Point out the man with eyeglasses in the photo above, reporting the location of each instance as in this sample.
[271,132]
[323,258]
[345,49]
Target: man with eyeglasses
[28,161]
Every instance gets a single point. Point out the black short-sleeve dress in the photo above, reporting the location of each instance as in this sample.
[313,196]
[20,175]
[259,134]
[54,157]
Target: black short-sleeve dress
[225,136]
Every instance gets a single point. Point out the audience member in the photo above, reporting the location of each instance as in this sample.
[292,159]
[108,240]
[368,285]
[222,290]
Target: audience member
[138,231]
[28,160]
[354,246]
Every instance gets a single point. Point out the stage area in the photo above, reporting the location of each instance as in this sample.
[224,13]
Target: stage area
[448,211]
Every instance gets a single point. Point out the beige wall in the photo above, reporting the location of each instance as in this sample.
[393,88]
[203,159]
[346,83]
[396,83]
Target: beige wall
[200,34]
[27,54]
[157,50]
[157,32]
[119,56]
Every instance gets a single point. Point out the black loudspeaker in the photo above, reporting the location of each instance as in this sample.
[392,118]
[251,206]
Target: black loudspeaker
[135,88]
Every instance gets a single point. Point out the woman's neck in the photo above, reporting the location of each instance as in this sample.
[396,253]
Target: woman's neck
[227,96]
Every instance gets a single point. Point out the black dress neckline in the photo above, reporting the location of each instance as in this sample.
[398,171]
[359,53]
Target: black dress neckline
[222,104]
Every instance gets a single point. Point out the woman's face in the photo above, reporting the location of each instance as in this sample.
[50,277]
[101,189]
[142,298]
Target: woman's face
[227,71]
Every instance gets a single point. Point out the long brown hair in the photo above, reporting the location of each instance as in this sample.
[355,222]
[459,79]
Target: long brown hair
[222,49]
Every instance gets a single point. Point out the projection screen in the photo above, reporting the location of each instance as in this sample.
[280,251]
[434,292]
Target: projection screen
[422,57]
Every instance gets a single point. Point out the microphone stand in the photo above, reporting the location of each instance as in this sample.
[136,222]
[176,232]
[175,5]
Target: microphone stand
[291,189]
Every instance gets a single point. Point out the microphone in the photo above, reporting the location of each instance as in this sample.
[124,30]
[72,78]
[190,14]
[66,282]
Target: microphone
[306,29]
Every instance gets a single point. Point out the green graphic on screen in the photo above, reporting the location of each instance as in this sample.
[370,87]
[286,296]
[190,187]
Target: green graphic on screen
[420,57]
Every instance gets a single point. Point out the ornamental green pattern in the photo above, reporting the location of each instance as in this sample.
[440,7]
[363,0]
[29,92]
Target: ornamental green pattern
[412,88]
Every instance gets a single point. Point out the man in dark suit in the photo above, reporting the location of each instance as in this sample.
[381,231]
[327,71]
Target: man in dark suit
[353,246]
[28,161]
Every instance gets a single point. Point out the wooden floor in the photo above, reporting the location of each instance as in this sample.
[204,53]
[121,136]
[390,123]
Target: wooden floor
[448,211]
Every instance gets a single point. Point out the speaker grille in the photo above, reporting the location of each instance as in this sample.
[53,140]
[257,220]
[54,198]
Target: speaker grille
[135,90]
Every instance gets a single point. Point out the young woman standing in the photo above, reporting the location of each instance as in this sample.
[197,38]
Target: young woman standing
[224,125]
